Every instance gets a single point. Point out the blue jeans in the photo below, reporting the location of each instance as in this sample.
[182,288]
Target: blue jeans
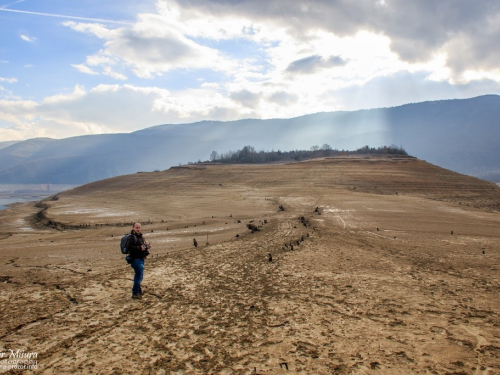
[138,266]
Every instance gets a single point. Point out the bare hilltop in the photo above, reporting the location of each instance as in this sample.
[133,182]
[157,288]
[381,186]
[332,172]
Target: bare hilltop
[345,265]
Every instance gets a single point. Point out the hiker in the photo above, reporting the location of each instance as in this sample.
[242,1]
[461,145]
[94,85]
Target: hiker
[139,250]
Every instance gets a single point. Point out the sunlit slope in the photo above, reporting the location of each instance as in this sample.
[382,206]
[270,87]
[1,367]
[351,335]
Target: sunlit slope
[241,190]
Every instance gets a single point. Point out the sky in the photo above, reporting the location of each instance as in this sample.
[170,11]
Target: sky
[71,68]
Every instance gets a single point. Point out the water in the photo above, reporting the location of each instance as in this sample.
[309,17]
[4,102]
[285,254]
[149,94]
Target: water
[14,193]
[5,201]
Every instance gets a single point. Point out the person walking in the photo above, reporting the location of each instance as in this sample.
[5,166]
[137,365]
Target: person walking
[139,250]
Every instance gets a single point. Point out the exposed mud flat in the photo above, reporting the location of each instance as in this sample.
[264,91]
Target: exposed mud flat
[379,265]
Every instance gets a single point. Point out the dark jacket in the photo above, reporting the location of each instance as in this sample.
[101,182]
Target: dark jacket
[134,244]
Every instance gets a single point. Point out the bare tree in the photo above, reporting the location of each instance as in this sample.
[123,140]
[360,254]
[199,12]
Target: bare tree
[326,147]
[214,156]
[314,151]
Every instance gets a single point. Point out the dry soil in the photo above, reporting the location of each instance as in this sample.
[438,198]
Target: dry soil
[379,265]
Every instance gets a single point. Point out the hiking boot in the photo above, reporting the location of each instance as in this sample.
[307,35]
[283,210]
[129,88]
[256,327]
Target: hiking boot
[136,296]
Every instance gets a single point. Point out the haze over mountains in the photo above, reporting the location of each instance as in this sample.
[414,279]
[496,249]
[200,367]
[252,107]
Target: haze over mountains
[461,135]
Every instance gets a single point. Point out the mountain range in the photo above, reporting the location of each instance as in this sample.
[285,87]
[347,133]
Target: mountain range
[460,134]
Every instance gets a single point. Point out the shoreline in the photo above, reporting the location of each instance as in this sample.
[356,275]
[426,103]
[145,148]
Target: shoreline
[11,194]
[10,201]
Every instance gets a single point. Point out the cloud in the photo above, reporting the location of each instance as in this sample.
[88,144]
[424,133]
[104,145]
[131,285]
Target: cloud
[125,108]
[312,64]
[319,39]
[109,109]
[227,60]
[27,38]
[305,65]
[151,48]
[283,98]
[246,98]
[84,69]
[8,80]
[4,93]
[95,29]
[104,60]
[109,72]
[467,32]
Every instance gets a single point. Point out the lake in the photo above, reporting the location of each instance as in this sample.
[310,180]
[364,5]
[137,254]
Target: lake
[14,193]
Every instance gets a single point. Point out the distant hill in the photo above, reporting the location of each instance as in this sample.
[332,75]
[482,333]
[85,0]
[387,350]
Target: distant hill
[461,135]
[6,144]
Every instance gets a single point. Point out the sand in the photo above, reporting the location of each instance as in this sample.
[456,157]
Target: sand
[394,270]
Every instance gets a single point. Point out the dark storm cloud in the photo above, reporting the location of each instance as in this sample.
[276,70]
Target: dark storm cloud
[468,32]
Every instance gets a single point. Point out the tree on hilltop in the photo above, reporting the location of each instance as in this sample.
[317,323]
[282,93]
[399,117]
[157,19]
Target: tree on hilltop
[249,155]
